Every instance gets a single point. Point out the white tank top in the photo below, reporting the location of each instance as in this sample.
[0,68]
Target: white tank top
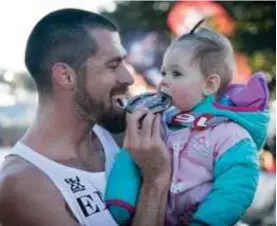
[82,190]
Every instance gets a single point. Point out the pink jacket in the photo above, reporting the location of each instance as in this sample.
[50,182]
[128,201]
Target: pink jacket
[194,154]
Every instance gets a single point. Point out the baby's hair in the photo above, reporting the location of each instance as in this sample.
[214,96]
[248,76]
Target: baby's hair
[214,52]
[197,25]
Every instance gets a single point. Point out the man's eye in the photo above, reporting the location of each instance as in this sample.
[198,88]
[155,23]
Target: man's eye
[114,65]
[176,73]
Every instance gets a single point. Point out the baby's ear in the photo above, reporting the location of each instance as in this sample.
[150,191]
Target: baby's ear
[211,85]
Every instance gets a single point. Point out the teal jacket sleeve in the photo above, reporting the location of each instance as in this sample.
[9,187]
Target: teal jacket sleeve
[123,188]
[236,175]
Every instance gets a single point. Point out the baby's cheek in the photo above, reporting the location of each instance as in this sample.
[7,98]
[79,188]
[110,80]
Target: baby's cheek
[182,97]
[186,96]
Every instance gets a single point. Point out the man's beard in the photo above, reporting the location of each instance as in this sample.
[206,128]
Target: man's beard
[87,108]
[114,123]
[95,111]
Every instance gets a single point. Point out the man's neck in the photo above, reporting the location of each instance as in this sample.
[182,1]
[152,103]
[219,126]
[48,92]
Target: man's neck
[57,134]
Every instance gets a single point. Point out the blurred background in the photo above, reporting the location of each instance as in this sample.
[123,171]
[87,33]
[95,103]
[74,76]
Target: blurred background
[147,28]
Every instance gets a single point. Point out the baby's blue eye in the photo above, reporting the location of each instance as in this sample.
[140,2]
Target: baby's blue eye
[163,73]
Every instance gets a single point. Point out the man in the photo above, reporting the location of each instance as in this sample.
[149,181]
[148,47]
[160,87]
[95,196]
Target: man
[56,175]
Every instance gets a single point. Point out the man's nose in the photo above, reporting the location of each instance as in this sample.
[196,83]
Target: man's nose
[125,76]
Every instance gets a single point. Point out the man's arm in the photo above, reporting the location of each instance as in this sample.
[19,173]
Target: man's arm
[144,143]
[151,207]
[27,197]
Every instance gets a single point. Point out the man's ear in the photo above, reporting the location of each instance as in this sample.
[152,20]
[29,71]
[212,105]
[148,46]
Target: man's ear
[211,85]
[63,76]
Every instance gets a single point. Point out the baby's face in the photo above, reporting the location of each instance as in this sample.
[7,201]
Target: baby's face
[183,79]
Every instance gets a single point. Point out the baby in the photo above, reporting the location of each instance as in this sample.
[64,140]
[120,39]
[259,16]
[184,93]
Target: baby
[213,131]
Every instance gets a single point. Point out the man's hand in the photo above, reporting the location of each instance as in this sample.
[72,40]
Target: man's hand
[143,141]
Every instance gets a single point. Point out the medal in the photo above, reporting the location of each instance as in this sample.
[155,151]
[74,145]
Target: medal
[155,102]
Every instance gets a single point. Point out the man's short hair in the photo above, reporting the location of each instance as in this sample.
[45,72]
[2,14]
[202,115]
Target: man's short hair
[214,53]
[62,36]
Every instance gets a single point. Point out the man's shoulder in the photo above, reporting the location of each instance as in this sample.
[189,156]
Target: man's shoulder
[16,170]
[23,182]
[28,197]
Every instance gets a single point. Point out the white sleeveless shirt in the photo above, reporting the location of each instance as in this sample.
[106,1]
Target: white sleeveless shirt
[82,190]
